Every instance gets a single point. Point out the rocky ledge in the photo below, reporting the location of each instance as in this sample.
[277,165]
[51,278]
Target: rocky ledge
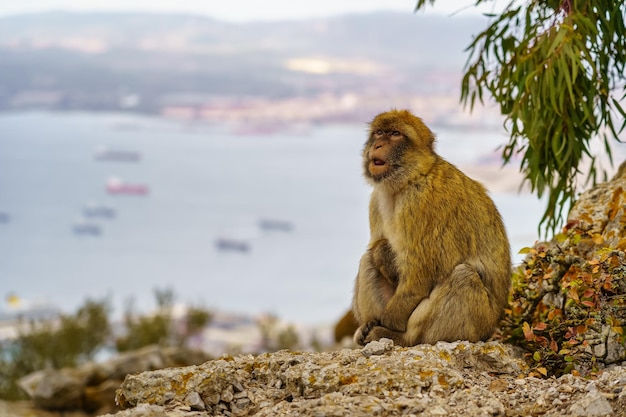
[461,378]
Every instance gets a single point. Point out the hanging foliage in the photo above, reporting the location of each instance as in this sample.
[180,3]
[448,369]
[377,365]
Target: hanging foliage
[556,68]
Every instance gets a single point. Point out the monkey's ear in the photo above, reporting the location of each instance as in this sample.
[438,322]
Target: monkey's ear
[431,138]
[421,130]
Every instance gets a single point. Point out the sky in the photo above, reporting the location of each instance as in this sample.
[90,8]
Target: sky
[239,10]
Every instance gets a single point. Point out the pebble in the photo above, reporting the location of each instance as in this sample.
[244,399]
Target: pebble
[377,347]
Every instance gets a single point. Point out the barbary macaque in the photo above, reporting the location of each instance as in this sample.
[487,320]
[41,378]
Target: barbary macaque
[345,327]
[438,263]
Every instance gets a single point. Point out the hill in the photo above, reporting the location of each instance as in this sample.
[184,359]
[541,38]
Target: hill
[144,62]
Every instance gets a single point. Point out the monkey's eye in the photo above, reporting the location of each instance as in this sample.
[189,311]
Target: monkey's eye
[379,132]
[395,133]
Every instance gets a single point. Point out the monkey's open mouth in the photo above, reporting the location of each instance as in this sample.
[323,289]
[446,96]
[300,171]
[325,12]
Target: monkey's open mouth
[378,162]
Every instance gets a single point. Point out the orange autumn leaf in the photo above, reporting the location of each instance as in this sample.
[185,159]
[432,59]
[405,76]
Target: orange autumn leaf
[554,314]
[528,332]
[554,346]
[589,292]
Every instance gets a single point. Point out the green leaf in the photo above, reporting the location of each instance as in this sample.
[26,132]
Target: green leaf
[558,39]
[555,74]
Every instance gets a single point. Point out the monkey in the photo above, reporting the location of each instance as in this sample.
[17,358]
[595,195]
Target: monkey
[345,327]
[438,263]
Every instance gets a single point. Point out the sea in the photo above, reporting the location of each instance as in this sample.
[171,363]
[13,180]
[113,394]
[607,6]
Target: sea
[242,221]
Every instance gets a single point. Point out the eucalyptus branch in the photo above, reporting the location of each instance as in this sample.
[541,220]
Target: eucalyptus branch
[557,70]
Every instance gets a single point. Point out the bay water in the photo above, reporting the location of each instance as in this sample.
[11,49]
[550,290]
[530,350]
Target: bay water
[205,184]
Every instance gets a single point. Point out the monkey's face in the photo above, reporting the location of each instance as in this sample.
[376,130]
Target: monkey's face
[384,155]
[399,145]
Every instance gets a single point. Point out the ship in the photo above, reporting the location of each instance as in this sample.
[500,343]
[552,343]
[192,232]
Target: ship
[83,227]
[104,154]
[273,224]
[92,210]
[226,244]
[116,186]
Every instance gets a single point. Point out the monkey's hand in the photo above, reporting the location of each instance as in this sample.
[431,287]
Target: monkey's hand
[401,305]
[362,334]
[383,260]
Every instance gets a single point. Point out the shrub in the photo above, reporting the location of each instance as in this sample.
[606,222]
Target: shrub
[161,328]
[67,342]
[568,304]
[71,340]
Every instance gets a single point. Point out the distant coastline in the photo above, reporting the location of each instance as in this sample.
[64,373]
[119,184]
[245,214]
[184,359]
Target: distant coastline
[259,77]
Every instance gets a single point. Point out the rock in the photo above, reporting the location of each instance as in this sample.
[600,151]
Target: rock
[55,389]
[602,210]
[377,347]
[290,375]
[97,398]
[144,359]
[26,409]
[447,379]
[92,387]
[592,404]
[147,410]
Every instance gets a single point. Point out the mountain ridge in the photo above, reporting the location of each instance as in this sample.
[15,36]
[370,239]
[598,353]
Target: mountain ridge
[94,60]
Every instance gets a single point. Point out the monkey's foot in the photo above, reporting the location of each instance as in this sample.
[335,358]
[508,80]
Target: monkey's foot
[362,334]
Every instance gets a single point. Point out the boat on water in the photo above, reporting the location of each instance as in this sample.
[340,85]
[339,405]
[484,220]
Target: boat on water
[92,210]
[273,224]
[116,186]
[105,154]
[226,244]
[86,228]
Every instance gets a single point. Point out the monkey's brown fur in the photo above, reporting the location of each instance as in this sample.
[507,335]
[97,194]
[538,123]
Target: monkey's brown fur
[438,264]
[345,327]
